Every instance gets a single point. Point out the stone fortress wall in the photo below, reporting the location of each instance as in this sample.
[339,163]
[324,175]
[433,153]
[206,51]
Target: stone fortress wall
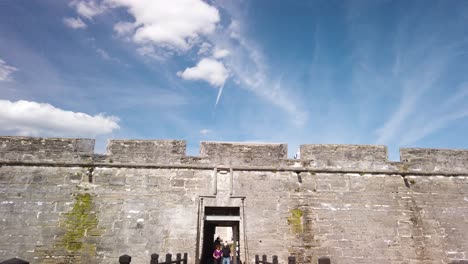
[61,203]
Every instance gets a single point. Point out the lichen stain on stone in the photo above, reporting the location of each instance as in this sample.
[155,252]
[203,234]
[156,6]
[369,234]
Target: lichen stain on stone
[295,221]
[79,223]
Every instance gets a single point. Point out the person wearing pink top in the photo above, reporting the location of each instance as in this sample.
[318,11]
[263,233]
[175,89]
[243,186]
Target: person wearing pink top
[217,254]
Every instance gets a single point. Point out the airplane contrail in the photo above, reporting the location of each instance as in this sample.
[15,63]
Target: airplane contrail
[219,94]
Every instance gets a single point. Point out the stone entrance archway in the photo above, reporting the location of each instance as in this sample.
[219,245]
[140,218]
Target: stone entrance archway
[220,217]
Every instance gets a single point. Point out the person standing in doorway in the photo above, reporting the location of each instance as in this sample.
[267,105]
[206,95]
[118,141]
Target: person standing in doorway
[218,241]
[217,255]
[227,257]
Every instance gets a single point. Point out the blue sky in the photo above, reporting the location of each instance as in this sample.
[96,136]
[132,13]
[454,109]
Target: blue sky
[300,72]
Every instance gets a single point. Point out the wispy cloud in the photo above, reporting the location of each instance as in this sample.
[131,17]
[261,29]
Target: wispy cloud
[152,98]
[6,71]
[413,75]
[75,23]
[204,48]
[28,118]
[450,110]
[413,89]
[124,28]
[105,55]
[220,53]
[88,8]
[250,70]
[205,131]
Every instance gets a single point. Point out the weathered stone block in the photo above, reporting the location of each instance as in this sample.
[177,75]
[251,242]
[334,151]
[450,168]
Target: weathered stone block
[224,153]
[146,151]
[345,156]
[435,160]
[45,149]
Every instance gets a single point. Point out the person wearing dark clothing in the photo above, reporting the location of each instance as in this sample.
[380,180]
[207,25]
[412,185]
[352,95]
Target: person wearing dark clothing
[226,254]
[218,241]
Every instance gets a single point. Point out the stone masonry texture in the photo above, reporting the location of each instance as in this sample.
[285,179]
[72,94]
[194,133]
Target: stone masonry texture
[61,203]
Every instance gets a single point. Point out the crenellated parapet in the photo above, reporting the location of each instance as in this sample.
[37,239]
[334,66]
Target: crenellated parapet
[320,157]
[61,202]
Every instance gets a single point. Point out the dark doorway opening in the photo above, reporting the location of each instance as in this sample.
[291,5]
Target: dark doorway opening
[220,218]
[225,211]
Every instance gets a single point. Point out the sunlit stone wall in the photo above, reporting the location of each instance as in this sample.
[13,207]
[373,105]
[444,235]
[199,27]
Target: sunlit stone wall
[61,203]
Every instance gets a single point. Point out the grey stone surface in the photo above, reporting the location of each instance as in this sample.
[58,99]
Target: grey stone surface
[146,151]
[348,205]
[230,153]
[345,156]
[45,149]
[443,160]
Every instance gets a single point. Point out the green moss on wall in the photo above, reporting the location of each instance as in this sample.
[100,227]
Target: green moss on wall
[74,243]
[80,222]
[295,221]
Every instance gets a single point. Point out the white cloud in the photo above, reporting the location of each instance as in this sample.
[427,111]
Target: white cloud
[6,71]
[75,23]
[87,8]
[220,53]
[173,24]
[209,70]
[34,119]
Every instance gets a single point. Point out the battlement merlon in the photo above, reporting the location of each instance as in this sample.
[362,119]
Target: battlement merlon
[340,152]
[236,153]
[46,149]
[345,156]
[437,160]
[146,151]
